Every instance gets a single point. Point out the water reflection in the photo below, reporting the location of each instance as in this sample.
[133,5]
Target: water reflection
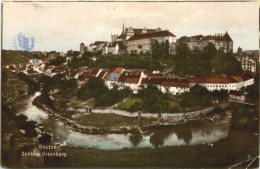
[184,133]
[135,138]
[188,134]
[158,137]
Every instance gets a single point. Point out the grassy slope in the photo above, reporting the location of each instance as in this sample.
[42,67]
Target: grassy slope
[174,107]
[110,120]
[15,57]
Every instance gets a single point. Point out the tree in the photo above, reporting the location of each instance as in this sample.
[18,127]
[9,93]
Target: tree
[209,51]
[160,50]
[95,87]
[58,61]
[153,100]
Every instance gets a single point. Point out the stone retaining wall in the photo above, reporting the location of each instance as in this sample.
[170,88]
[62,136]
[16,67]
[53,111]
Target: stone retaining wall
[168,117]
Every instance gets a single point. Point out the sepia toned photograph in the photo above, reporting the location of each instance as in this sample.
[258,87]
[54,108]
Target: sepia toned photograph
[130,84]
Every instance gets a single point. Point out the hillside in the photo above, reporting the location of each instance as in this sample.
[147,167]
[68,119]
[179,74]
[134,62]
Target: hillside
[15,57]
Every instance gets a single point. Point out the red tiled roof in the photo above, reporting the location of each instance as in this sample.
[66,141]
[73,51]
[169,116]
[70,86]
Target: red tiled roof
[93,71]
[215,80]
[175,82]
[152,81]
[87,75]
[151,35]
[45,60]
[109,71]
[230,79]
[118,70]
[238,78]
[218,37]
[196,80]
[130,77]
[101,74]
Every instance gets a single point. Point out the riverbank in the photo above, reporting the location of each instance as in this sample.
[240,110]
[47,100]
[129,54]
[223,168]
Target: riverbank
[223,153]
[110,119]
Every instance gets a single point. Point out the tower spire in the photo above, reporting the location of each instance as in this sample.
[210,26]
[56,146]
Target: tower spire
[123,31]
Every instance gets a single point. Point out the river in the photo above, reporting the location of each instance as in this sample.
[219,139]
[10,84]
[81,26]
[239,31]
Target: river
[188,134]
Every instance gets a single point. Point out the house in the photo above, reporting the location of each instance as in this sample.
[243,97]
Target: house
[248,79]
[95,71]
[36,62]
[220,41]
[94,58]
[236,95]
[131,80]
[97,46]
[167,85]
[143,42]
[175,86]
[113,48]
[85,76]
[217,83]
[112,80]
[73,73]
[247,63]
[103,74]
[53,55]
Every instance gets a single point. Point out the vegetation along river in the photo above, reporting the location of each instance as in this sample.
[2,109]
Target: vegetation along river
[228,147]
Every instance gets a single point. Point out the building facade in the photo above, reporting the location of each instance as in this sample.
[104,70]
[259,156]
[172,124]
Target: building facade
[220,41]
[143,42]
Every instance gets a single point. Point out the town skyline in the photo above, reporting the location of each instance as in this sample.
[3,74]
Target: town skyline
[90,22]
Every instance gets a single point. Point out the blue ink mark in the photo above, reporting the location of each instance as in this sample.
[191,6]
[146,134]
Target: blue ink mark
[23,42]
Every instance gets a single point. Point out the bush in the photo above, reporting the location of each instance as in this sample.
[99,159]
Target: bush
[245,117]
[45,139]
[112,97]
[31,84]
[57,61]
[44,99]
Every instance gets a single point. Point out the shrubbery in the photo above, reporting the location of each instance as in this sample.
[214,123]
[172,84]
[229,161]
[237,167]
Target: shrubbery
[19,122]
[95,88]
[57,61]
[245,117]
[32,86]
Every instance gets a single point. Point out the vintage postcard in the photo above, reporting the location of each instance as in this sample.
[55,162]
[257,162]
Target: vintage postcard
[130,85]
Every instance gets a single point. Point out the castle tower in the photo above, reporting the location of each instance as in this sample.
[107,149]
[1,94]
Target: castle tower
[239,51]
[113,37]
[82,48]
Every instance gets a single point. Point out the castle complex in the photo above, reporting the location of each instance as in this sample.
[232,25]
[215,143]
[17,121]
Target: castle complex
[139,40]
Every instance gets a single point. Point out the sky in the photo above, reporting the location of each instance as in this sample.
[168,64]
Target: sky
[62,26]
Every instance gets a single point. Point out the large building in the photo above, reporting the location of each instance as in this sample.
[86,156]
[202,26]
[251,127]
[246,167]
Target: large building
[129,32]
[249,59]
[137,40]
[221,42]
[143,42]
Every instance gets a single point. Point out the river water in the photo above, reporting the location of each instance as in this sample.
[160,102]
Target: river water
[188,134]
